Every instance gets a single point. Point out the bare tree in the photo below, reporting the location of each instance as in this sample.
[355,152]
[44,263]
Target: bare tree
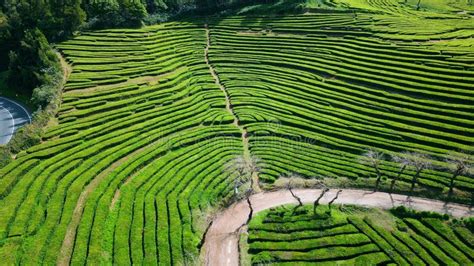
[239,167]
[253,166]
[403,160]
[374,159]
[420,162]
[244,167]
[332,201]
[418,5]
[290,185]
[316,202]
[459,163]
[243,188]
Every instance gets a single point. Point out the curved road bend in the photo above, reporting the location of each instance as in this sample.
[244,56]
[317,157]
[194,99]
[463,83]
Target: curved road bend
[221,242]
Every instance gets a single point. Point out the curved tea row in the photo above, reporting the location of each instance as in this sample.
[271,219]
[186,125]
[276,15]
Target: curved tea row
[353,235]
[134,161]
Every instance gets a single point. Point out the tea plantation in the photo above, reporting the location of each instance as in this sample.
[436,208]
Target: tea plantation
[350,235]
[149,118]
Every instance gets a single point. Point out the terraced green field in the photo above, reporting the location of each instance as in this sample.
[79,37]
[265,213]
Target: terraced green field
[354,235]
[135,159]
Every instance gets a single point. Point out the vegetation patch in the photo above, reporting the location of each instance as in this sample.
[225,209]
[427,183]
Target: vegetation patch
[347,234]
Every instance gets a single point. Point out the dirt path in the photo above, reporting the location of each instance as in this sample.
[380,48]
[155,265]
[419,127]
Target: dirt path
[230,109]
[221,242]
[67,69]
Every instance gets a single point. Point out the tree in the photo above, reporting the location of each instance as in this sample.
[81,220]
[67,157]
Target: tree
[244,169]
[460,164]
[64,17]
[253,167]
[133,12]
[316,202]
[403,160]
[420,162]
[103,14]
[290,186]
[332,201]
[32,58]
[374,159]
[418,5]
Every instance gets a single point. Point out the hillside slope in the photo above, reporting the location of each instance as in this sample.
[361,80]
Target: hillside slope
[137,158]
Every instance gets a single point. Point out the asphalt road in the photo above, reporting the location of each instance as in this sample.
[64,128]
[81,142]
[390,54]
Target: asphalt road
[12,117]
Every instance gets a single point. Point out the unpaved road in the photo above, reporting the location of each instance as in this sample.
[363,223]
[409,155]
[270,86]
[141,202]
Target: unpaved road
[221,243]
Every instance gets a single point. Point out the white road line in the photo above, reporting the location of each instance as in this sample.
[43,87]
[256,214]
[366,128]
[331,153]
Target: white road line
[13,122]
[23,108]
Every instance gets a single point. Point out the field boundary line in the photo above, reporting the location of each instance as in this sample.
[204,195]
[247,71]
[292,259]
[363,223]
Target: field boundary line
[230,109]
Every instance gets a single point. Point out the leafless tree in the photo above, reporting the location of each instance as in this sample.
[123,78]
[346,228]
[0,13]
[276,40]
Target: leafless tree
[332,201]
[374,159]
[290,185]
[245,168]
[239,167]
[243,189]
[420,162]
[253,166]
[459,163]
[316,202]
[403,160]
[236,165]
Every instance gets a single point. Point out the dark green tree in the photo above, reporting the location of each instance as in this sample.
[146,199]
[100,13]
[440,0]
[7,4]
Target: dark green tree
[103,13]
[133,12]
[29,61]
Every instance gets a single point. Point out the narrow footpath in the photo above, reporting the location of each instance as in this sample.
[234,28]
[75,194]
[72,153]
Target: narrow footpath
[222,238]
[230,109]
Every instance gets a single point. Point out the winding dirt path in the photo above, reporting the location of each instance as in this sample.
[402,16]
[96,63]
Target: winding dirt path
[221,240]
[230,109]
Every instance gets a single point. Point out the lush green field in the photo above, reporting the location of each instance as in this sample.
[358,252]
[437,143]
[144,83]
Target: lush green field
[314,91]
[137,155]
[353,235]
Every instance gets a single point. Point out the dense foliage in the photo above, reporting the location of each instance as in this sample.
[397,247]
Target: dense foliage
[32,68]
[137,155]
[25,51]
[350,235]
